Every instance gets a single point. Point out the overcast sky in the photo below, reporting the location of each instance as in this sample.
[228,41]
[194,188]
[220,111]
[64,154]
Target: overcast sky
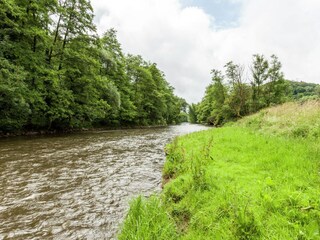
[188,38]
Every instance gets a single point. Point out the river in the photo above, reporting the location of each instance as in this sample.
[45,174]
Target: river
[78,186]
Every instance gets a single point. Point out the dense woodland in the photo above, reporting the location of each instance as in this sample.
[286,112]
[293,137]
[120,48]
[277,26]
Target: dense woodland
[303,90]
[239,91]
[56,73]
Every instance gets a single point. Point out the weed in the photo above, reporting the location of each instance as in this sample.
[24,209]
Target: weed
[175,156]
[198,170]
[244,224]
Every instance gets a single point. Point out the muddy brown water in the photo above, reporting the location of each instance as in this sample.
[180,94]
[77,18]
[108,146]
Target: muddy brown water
[78,186]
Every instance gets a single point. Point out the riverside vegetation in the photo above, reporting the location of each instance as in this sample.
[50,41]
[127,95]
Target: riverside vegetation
[257,178]
[57,73]
[240,91]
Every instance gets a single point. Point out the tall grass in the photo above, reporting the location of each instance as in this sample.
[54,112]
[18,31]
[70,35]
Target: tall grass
[293,119]
[147,219]
[256,179]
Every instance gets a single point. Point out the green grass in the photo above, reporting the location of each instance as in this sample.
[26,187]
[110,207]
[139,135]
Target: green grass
[147,219]
[246,181]
[294,119]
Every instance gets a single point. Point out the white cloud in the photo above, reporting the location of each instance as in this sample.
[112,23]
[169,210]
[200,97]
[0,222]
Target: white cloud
[186,45]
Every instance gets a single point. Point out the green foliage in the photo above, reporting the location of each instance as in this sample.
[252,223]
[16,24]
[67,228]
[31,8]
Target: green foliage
[192,114]
[153,96]
[259,76]
[56,73]
[303,90]
[113,66]
[14,110]
[230,97]
[210,110]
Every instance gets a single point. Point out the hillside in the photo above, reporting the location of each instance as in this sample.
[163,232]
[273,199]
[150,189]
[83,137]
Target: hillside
[301,90]
[255,179]
[293,119]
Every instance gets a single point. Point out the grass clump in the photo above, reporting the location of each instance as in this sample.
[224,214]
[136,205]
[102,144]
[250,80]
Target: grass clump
[256,179]
[147,219]
[175,156]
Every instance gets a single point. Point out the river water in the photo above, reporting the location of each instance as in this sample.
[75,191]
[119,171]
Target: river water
[78,186]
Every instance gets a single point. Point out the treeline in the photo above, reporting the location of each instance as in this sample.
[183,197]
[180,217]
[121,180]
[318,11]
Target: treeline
[235,93]
[303,90]
[57,73]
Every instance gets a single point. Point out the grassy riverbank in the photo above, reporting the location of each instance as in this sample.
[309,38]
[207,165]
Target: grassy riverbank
[255,179]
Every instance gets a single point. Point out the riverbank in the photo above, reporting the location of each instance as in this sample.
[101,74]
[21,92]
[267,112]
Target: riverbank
[66,131]
[255,179]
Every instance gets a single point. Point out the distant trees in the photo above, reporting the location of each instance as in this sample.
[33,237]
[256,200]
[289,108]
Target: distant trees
[152,95]
[317,91]
[192,114]
[56,73]
[303,90]
[211,108]
[233,94]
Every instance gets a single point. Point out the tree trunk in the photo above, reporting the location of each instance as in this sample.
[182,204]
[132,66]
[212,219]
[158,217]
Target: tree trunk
[55,40]
[66,35]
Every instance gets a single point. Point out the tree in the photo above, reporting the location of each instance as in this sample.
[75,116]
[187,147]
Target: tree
[317,90]
[14,107]
[212,108]
[260,74]
[56,73]
[239,92]
[205,106]
[276,88]
[193,113]
[217,114]
[113,66]
[23,37]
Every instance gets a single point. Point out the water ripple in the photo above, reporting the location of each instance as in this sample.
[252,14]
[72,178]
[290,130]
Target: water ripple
[78,186]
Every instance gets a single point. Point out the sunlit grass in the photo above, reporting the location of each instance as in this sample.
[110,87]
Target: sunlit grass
[291,119]
[257,179]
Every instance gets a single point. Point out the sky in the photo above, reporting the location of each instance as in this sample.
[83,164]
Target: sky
[189,38]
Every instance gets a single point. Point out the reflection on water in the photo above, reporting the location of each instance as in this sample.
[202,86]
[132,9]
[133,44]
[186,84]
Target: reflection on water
[78,186]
